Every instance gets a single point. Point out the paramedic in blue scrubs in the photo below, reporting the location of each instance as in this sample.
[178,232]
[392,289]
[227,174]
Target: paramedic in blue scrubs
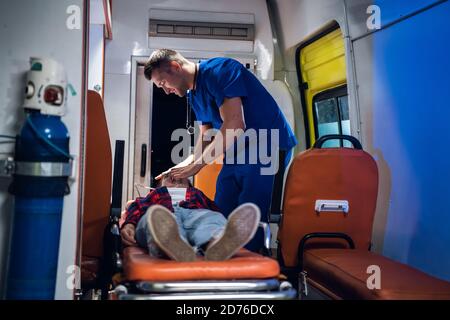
[225,96]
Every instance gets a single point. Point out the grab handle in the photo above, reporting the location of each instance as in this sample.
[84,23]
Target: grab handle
[356,144]
[332,206]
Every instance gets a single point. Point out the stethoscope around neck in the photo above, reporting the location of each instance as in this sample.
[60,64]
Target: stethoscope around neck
[189,127]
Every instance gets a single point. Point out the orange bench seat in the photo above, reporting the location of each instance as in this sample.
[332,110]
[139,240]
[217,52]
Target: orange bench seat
[139,266]
[344,273]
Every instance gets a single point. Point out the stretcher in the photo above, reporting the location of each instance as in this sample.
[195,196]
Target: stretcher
[246,275]
[132,273]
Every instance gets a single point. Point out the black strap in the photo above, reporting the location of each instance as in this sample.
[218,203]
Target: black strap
[111,235]
[277,188]
[116,203]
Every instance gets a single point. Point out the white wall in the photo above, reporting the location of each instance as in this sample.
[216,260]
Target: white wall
[130,38]
[299,21]
[38,28]
[96,43]
[296,21]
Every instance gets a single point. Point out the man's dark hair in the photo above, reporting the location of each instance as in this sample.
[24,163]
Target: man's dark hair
[160,58]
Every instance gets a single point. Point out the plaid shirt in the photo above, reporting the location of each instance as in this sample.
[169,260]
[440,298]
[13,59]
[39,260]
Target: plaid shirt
[195,199]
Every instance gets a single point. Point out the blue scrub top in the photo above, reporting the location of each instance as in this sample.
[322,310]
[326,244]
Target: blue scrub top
[220,78]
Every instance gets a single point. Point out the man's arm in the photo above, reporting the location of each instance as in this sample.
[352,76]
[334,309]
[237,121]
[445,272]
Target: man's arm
[232,115]
[200,145]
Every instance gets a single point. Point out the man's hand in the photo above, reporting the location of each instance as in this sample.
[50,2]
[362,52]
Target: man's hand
[185,172]
[127,233]
[162,174]
[189,160]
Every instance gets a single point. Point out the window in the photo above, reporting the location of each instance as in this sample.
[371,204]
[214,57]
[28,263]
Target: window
[320,68]
[331,115]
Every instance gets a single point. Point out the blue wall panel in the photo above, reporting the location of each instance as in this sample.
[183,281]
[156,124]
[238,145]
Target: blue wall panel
[394,9]
[412,129]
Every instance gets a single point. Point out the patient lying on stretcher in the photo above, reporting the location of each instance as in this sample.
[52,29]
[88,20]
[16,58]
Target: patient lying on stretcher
[178,221]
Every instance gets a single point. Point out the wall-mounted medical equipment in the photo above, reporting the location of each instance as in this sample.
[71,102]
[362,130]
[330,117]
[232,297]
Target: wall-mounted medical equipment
[42,165]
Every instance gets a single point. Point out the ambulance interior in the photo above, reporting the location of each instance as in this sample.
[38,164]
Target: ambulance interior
[360,213]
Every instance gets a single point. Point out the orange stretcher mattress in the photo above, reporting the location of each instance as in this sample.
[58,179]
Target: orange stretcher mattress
[139,266]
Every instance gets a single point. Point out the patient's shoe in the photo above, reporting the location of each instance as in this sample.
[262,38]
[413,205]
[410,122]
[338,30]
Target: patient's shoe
[164,229]
[240,229]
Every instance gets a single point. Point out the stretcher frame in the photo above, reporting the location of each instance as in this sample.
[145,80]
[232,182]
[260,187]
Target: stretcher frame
[255,289]
[248,289]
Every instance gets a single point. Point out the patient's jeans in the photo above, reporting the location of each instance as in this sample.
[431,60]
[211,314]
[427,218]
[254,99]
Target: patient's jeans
[196,226]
